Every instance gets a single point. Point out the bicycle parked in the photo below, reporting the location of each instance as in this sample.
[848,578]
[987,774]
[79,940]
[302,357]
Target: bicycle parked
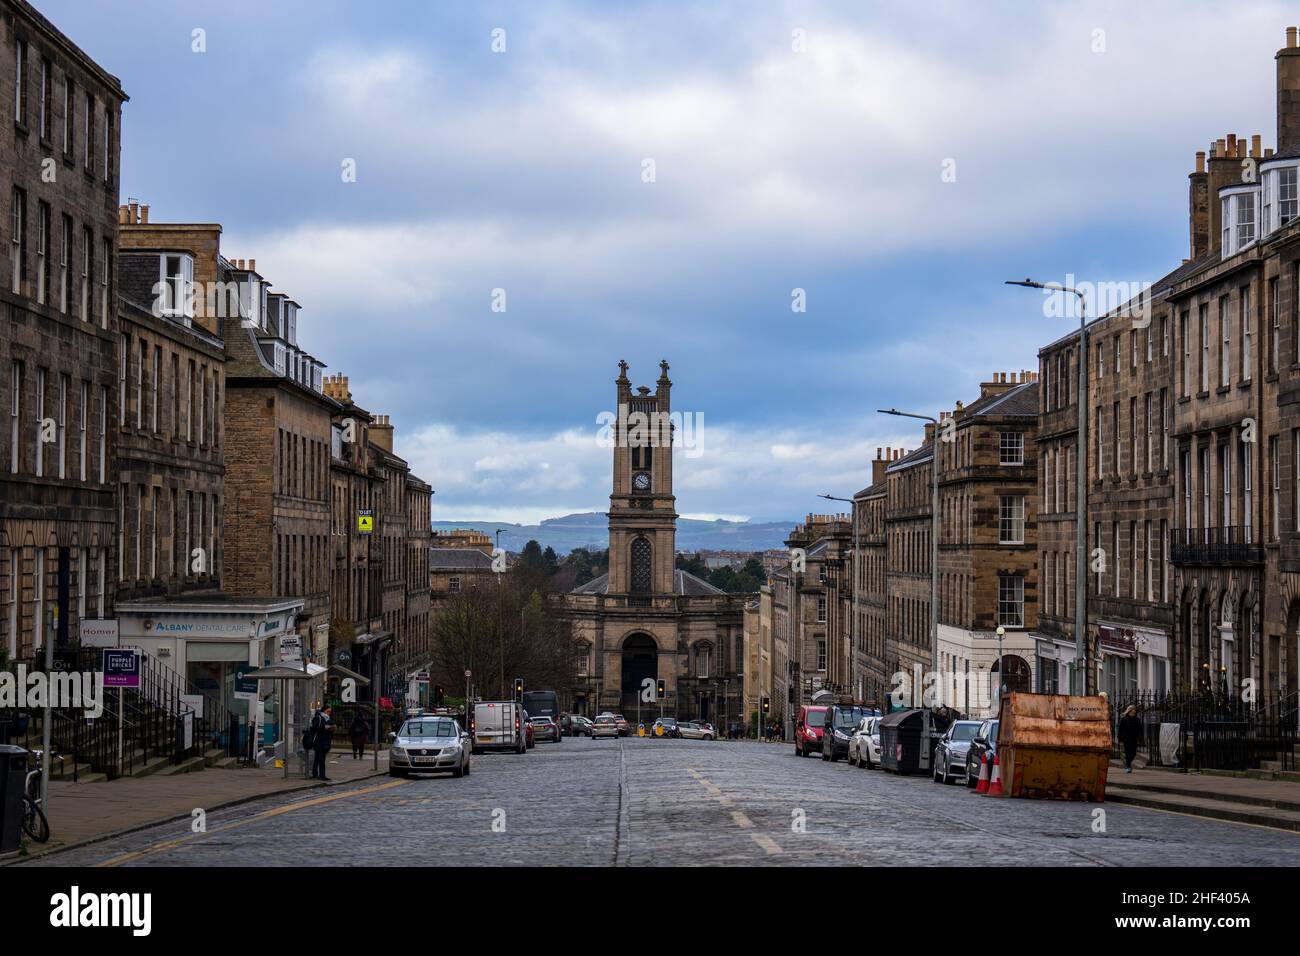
[35,825]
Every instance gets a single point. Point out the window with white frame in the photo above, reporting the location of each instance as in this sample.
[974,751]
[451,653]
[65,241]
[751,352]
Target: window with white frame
[83,466]
[821,610]
[15,413]
[1245,219]
[1225,344]
[154,389]
[1146,564]
[1275,333]
[18,240]
[1011,600]
[42,251]
[103,432]
[1205,347]
[139,385]
[821,655]
[1275,468]
[103,283]
[1286,195]
[69,109]
[1011,519]
[1150,432]
[87,268]
[1247,343]
[1011,448]
[1225,478]
[20,81]
[1115,571]
[40,422]
[1247,494]
[65,263]
[176,279]
[38,600]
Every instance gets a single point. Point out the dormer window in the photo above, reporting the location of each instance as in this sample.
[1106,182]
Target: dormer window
[176,279]
[1286,195]
[1278,179]
[1245,220]
[279,358]
[1239,209]
[253,313]
[290,330]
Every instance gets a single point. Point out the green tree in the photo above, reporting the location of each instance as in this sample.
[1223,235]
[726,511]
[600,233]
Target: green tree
[531,557]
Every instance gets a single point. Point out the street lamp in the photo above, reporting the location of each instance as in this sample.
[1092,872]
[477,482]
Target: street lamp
[934,535]
[853,618]
[1002,677]
[1081,494]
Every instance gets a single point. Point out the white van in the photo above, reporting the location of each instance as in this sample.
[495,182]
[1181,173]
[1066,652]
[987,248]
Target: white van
[498,725]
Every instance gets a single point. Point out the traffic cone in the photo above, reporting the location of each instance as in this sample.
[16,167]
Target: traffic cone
[983,785]
[995,784]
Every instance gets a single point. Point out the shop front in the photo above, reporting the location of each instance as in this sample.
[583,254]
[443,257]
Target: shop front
[213,642]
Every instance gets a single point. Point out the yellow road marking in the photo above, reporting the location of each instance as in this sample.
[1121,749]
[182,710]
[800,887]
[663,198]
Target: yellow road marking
[769,846]
[264,815]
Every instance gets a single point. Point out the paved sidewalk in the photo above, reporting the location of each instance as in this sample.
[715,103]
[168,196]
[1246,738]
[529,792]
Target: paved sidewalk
[85,812]
[1269,803]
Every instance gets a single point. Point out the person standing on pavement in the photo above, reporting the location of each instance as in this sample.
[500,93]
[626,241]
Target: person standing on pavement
[1130,732]
[359,731]
[322,725]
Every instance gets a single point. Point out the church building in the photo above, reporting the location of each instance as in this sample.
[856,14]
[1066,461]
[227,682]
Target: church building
[646,620]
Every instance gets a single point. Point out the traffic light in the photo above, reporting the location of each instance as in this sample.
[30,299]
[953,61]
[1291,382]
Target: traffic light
[660,688]
[767,705]
[519,687]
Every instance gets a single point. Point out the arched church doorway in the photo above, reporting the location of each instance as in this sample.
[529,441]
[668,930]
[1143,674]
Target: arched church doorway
[640,661]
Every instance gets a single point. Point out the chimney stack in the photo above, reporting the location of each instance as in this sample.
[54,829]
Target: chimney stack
[144,215]
[1288,95]
[1198,208]
[1225,169]
[381,433]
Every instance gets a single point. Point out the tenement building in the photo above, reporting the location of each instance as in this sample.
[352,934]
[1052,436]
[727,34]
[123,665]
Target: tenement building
[989,579]
[818,618]
[645,620]
[58,378]
[908,532]
[870,563]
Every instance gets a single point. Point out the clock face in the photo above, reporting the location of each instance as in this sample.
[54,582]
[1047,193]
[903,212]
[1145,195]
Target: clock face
[641,481]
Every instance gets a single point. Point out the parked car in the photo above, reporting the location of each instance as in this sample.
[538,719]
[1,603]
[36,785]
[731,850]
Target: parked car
[951,749]
[864,745]
[604,726]
[669,726]
[545,728]
[624,728]
[498,725]
[578,725]
[984,742]
[841,721]
[530,732]
[429,745]
[696,730]
[808,728]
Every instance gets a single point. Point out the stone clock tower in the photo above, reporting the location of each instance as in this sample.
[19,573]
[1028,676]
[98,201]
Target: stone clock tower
[642,509]
[646,621]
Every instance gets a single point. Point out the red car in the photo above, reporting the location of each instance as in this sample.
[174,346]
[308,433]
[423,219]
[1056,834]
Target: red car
[808,730]
[530,735]
[545,728]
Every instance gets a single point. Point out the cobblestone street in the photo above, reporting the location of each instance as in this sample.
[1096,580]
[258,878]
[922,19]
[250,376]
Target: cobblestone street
[658,802]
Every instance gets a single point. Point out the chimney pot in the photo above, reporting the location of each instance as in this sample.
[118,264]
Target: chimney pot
[252,265]
[1290,37]
[1255,145]
[144,215]
[1200,161]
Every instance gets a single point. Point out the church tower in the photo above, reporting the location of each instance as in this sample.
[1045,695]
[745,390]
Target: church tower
[642,509]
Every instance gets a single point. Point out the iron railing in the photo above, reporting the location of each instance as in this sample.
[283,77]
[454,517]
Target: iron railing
[1210,731]
[1237,545]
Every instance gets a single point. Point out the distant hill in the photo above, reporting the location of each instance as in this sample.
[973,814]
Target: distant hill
[591,530]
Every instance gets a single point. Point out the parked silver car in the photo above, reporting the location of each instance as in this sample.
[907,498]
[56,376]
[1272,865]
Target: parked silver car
[950,751]
[694,730]
[604,726]
[429,745]
[864,745]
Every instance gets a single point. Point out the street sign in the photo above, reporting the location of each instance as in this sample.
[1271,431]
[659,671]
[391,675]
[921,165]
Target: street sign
[344,657]
[121,667]
[468,675]
[291,649]
[98,633]
[245,689]
[365,521]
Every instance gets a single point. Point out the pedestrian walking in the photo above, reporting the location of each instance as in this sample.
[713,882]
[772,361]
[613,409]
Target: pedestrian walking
[359,730]
[322,738]
[1130,732]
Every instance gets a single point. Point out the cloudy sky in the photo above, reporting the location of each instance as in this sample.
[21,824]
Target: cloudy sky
[650,180]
